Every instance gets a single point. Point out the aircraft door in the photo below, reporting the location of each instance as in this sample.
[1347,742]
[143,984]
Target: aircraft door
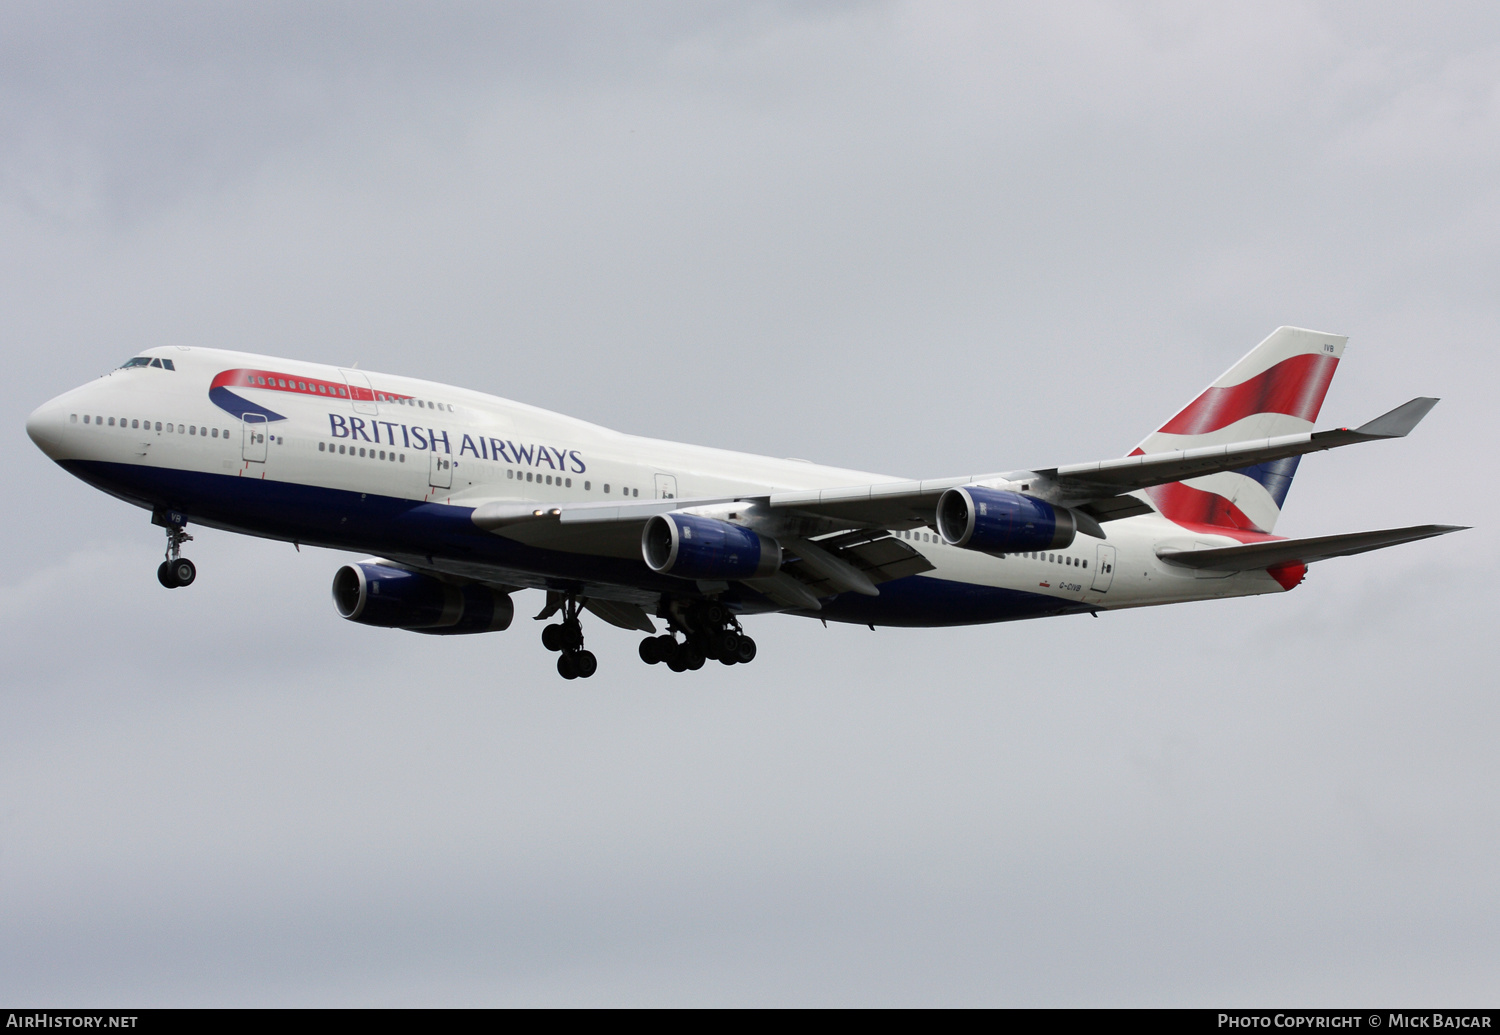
[666,487]
[361,394]
[1104,569]
[440,470]
[254,443]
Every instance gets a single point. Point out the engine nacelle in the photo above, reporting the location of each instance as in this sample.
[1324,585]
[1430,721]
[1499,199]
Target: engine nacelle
[378,594]
[996,521]
[692,547]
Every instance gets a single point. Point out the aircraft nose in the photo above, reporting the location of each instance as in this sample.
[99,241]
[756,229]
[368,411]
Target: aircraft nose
[45,426]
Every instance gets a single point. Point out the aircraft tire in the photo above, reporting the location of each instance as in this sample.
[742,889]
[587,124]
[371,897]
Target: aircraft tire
[567,665]
[694,658]
[675,662]
[572,636]
[728,644]
[586,662]
[184,571]
[552,638]
[650,650]
[164,575]
[746,652]
[728,659]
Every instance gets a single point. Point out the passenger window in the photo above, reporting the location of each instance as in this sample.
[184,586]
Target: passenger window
[528,476]
[569,485]
[111,422]
[549,479]
[606,486]
[403,458]
[73,417]
[1085,564]
[86,418]
[585,486]
[509,473]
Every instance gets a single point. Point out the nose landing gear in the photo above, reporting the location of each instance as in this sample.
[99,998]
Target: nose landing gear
[176,570]
[566,638]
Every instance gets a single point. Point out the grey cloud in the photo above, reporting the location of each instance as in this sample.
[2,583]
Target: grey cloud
[922,239]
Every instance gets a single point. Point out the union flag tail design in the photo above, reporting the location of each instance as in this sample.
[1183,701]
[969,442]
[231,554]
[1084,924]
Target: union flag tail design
[1277,389]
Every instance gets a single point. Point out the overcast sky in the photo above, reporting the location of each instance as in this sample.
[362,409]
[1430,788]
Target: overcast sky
[920,239]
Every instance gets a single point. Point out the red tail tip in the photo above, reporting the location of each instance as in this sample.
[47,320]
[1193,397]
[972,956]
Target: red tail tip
[1290,575]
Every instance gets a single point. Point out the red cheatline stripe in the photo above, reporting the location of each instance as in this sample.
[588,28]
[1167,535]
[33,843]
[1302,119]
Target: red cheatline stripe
[1294,386]
[274,381]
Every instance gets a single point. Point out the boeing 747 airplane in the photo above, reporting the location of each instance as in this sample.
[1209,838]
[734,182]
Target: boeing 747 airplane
[465,498]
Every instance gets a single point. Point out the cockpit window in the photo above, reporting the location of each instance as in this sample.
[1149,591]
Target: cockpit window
[156,362]
[168,364]
[138,361]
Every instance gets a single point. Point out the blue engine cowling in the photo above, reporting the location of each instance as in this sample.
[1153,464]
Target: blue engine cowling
[692,547]
[996,521]
[378,594]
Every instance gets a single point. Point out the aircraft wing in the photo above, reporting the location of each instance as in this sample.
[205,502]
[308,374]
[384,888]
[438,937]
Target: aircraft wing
[809,523]
[1099,489]
[1286,551]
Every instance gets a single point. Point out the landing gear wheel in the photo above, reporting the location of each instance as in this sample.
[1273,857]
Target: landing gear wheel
[176,570]
[552,638]
[677,663]
[586,663]
[746,652]
[650,650]
[572,634]
[567,665]
[692,658]
[728,643]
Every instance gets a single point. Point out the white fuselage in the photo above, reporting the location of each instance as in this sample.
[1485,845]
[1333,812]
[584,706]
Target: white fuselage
[146,433]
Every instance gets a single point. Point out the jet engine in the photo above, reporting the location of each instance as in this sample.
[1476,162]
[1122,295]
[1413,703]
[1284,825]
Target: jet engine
[378,594]
[692,547]
[996,521]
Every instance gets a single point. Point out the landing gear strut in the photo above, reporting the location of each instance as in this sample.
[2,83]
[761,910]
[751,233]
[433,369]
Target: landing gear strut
[566,638]
[709,632]
[176,570]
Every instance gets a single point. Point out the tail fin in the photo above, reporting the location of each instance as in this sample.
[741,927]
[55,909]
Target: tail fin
[1277,389]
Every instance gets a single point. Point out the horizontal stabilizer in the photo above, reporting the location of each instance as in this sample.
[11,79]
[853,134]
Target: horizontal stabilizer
[1305,551]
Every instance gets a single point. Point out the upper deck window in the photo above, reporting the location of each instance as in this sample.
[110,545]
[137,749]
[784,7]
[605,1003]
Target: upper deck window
[138,361]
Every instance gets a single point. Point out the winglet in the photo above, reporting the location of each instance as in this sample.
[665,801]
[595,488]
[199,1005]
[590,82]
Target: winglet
[1399,422]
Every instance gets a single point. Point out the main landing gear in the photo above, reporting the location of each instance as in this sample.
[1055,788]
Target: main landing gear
[176,570]
[709,632]
[566,638]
